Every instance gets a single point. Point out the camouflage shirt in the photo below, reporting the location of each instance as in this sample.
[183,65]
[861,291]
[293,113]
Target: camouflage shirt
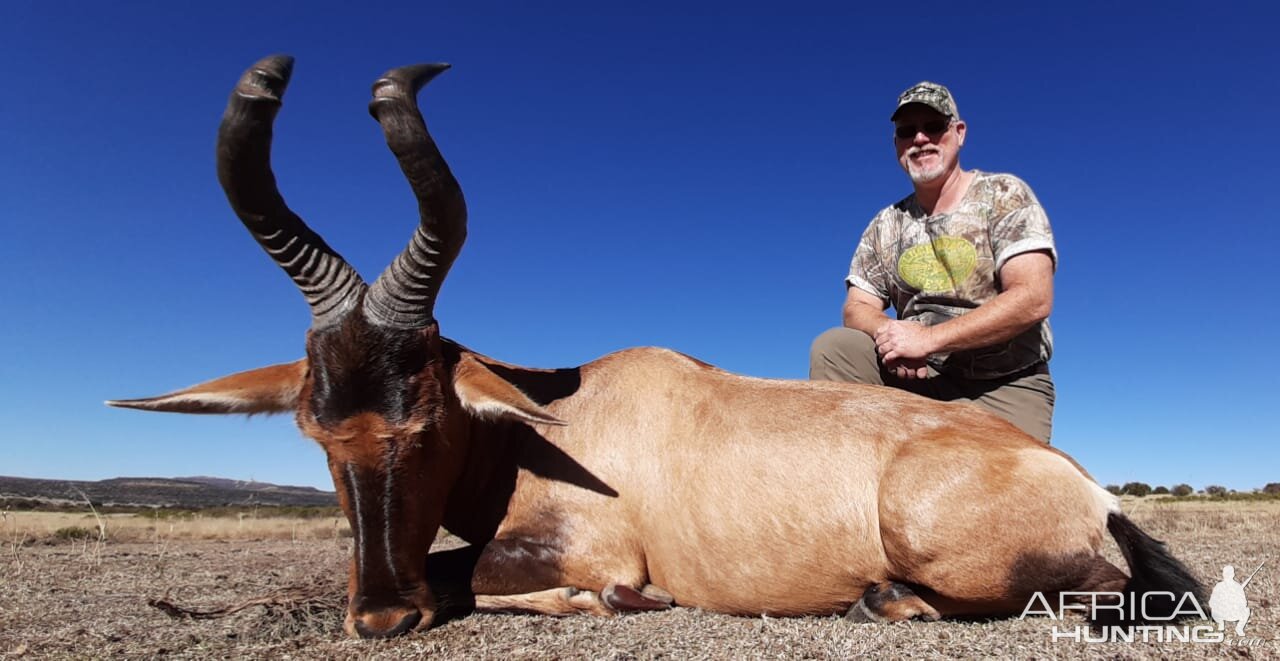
[935,268]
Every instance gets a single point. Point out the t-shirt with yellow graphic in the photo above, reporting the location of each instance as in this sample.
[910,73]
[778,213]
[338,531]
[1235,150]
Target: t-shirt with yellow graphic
[935,268]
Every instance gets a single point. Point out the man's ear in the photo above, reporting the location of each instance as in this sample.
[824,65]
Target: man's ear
[961,129]
[486,395]
[272,389]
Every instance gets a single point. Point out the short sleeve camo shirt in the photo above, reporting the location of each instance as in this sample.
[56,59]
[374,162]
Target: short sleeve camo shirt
[935,268]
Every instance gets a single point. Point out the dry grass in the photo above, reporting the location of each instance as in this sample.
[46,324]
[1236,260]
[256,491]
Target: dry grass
[44,526]
[89,599]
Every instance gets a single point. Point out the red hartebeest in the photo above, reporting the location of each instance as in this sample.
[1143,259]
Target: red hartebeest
[645,478]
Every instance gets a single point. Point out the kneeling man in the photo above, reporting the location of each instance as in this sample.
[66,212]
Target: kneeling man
[967,262]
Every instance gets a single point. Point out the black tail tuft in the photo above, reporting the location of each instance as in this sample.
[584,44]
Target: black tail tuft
[1152,569]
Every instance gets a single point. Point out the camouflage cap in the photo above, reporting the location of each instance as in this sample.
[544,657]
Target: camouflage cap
[930,94]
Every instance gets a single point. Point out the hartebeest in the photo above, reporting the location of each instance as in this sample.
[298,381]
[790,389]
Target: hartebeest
[645,478]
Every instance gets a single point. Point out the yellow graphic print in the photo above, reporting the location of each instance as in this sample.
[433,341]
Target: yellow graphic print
[940,265]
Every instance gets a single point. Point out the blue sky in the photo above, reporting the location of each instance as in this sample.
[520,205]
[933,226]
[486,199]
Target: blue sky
[637,174]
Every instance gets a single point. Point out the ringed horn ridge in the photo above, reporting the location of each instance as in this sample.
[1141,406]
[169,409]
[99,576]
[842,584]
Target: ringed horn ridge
[404,295]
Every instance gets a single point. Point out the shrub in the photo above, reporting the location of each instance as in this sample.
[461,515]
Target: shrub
[1272,488]
[1136,489]
[74,533]
[1182,490]
[1160,491]
[1215,490]
[1113,489]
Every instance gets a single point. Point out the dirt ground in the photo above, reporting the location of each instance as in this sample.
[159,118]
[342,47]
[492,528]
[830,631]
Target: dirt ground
[86,599]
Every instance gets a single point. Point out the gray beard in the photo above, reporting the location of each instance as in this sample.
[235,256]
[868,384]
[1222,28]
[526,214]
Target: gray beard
[925,176]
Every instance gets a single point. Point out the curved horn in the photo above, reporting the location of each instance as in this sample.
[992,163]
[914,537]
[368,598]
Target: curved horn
[330,285]
[404,295]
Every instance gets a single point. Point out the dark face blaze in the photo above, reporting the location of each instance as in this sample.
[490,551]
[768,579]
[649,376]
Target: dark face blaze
[374,399]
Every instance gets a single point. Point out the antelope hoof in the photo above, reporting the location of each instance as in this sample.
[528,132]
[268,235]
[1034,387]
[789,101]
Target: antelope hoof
[266,79]
[654,592]
[858,614]
[625,599]
[890,602]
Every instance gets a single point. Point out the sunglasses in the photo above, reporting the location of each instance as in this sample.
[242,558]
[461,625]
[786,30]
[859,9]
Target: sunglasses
[933,129]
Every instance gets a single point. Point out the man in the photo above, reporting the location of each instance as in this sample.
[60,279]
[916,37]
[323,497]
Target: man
[967,262]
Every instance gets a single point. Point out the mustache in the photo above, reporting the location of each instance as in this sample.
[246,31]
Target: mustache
[921,150]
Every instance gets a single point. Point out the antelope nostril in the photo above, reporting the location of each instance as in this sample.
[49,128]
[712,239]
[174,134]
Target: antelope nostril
[373,625]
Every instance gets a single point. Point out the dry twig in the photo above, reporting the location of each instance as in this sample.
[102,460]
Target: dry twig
[295,598]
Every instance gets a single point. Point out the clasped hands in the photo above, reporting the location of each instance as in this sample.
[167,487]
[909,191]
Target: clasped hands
[903,347]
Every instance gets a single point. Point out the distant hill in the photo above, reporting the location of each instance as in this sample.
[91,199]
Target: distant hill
[184,492]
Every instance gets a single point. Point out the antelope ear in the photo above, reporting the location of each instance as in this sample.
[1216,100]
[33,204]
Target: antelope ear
[271,389]
[487,395]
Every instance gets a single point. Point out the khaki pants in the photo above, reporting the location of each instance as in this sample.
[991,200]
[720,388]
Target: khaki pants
[1026,400]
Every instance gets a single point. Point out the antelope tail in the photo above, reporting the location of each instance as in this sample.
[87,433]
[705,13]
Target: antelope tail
[1152,569]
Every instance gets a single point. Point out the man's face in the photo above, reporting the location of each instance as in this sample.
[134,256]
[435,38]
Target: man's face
[933,147]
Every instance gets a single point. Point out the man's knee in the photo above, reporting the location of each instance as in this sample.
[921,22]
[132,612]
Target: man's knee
[1027,403]
[844,354]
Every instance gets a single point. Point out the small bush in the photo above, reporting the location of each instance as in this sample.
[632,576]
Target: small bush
[1160,491]
[1182,490]
[1138,489]
[74,533]
[1113,490]
[1272,488]
[1215,490]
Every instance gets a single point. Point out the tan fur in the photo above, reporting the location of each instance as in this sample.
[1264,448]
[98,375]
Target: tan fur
[349,441]
[486,395]
[272,389]
[749,496]
[556,601]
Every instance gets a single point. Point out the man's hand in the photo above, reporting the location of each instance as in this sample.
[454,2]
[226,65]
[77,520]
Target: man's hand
[908,368]
[903,347]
